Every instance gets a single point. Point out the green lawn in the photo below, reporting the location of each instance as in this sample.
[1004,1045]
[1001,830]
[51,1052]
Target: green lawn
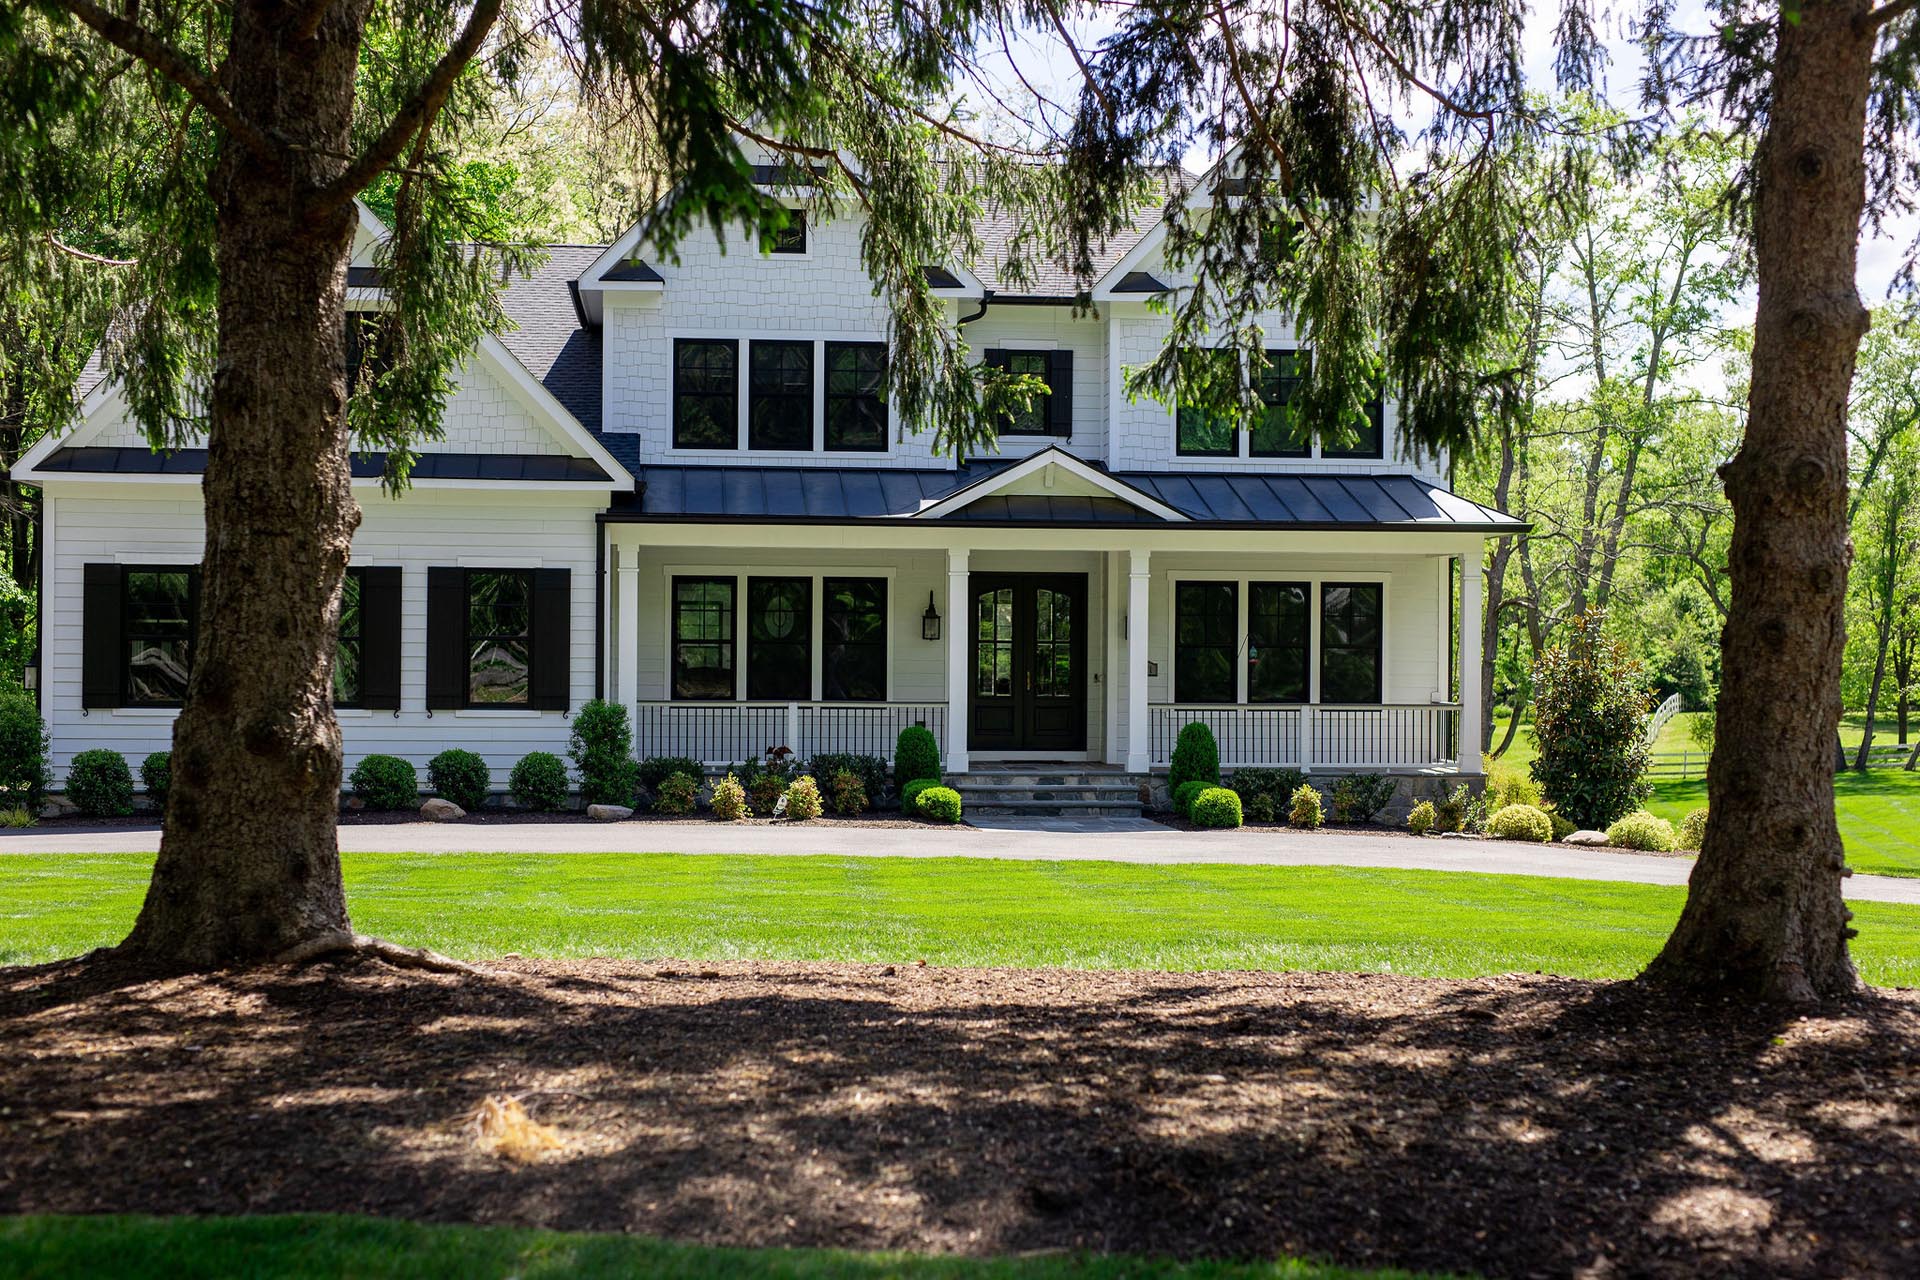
[1879,816]
[313,1245]
[951,911]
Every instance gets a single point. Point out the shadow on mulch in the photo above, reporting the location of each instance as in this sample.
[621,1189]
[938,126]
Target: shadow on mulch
[1507,1126]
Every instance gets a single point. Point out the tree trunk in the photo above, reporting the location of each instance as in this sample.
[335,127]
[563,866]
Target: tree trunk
[249,862]
[1873,697]
[1764,916]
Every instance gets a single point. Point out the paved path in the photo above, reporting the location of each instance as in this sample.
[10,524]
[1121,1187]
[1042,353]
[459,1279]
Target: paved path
[1033,840]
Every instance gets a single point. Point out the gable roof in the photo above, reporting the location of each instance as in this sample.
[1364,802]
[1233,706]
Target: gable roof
[1005,483]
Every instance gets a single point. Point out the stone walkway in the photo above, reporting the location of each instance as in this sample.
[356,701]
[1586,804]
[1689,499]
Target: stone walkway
[1033,839]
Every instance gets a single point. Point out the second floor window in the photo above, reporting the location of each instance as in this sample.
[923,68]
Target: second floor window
[706,393]
[857,397]
[1278,433]
[780,396]
[1201,432]
[1369,436]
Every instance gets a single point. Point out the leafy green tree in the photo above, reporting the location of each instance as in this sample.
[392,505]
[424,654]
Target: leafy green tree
[1590,709]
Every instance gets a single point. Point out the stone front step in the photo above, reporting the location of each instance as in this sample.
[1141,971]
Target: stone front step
[1048,792]
[1052,809]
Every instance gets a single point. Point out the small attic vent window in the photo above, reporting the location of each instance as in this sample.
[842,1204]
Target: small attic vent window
[793,237]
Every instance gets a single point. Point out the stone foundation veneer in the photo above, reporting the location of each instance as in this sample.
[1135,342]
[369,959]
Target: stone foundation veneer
[1409,790]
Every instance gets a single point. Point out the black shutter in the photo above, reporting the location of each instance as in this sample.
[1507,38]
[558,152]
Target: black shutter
[1060,394]
[547,687]
[380,638]
[100,637]
[446,638]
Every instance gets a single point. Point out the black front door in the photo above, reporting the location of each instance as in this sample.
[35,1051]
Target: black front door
[1029,662]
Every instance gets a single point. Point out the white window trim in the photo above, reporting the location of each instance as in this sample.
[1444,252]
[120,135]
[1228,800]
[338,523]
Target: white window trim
[815,625]
[1314,580]
[743,340]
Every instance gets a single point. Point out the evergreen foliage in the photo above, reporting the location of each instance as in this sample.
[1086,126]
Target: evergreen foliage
[25,774]
[1196,757]
[460,776]
[1216,807]
[385,783]
[601,746]
[1521,822]
[729,800]
[915,755]
[539,782]
[939,804]
[1590,714]
[156,775]
[100,785]
[803,799]
[1305,809]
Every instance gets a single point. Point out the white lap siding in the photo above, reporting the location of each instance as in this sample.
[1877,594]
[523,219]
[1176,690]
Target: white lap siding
[161,524]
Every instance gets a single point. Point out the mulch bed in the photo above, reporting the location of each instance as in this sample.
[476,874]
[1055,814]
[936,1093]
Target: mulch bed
[75,824]
[1513,1126]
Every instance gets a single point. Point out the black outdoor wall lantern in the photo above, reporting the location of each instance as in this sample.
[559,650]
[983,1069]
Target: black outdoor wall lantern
[930,621]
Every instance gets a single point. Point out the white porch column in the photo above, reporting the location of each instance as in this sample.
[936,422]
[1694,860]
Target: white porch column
[959,636]
[626,631]
[1139,730]
[1470,607]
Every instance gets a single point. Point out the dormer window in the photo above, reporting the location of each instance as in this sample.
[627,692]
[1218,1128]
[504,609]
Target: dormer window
[792,238]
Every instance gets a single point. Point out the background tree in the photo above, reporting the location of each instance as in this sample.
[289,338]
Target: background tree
[1591,706]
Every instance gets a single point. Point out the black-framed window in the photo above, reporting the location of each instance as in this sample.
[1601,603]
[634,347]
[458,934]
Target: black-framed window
[1279,641]
[857,397]
[706,393]
[703,639]
[1206,634]
[779,639]
[158,622]
[1372,435]
[1278,433]
[780,395]
[1203,433]
[499,637]
[853,639]
[1037,418]
[1350,641]
[350,646]
[793,237]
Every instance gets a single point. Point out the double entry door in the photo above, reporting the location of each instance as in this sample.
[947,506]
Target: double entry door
[1029,662]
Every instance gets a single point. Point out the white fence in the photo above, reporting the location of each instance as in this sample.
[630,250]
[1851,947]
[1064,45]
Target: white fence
[1385,736]
[722,733]
[1661,714]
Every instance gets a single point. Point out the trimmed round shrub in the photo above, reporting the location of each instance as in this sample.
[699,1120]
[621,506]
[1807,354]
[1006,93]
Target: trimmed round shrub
[1641,830]
[100,784]
[939,804]
[385,782]
[764,792]
[460,776]
[1196,758]
[1358,796]
[1693,830]
[601,746]
[156,775]
[1216,807]
[1304,808]
[1421,820]
[803,799]
[847,794]
[1185,794]
[910,792]
[916,755]
[677,795]
[25,774]
[1521,822]
[729,802]
[539,782]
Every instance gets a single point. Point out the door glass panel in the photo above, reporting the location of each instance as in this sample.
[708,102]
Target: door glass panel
[1053,644]
[993,643]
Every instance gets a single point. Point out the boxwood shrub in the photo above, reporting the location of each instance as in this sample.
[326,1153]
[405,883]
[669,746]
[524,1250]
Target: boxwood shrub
[156,775]
[1693,830]
[25,773]
[539,782]
[1196,758]
[1521,822]
[939,804]
[601,746]
[655,770]
[1184,794]
[385,782]
[1641,830]
[910,792]
[915,755]
[460,776]
[1216,807]
[100,784]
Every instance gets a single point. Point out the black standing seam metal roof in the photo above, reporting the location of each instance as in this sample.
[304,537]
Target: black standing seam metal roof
[842,494]
[140,460]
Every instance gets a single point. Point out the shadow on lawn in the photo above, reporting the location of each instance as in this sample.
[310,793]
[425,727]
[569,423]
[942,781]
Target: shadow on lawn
[1509,1126]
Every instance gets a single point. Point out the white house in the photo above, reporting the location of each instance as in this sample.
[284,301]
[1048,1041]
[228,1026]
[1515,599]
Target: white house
[678,484]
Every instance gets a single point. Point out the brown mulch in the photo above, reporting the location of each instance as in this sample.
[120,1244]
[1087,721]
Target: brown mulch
[75,824]
[1513,1126]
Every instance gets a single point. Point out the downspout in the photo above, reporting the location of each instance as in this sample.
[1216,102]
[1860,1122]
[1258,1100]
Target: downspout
[599,604]
[986,297]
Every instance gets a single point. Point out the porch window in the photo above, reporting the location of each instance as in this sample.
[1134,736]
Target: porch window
[1350,642]
[779,639]
[1279,622]
[499,637]
[853,656]
[857,397]
[1372,433]
[706,393]
[1206,625]
[157,633]
[780,396]
[1278,433]
[703,638]
[1203,433]
[349,649]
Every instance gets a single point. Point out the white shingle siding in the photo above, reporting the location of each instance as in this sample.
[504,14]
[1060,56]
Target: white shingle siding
[1017,328]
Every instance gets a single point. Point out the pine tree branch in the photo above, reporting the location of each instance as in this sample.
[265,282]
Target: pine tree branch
[130,37]
[55,243]
[417,115]
[1874,19]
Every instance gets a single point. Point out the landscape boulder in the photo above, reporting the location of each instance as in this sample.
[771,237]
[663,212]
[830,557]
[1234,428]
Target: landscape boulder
[609,812]
[438,810]
[1585,837]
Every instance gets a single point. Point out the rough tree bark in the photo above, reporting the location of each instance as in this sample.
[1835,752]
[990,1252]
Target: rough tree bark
[1764,915]
[249,864]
